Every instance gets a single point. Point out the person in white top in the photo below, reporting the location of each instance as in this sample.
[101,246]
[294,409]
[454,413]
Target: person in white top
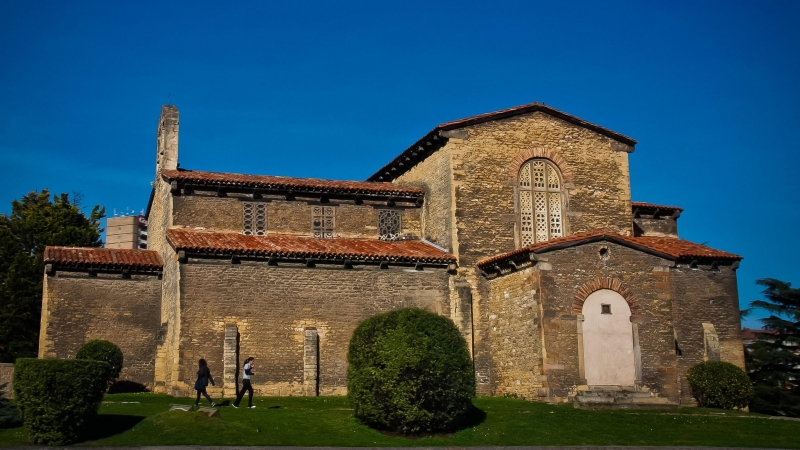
[246,386]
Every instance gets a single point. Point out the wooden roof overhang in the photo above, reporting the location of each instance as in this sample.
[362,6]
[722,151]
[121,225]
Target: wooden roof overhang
[94,269]
[413,155]
[345,261]
[656,211]
[399,196]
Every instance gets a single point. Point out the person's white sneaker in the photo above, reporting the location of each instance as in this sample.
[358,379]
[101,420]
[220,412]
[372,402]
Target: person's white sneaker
[235,406]
[252,406]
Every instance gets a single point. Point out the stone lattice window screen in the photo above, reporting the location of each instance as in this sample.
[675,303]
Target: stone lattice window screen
[389,228]
[540,202]
[254,219]
[322,220]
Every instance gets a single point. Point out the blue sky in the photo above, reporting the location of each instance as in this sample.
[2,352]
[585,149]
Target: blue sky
[335,90]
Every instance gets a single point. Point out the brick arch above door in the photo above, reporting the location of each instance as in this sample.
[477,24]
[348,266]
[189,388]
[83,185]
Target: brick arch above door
[614,284]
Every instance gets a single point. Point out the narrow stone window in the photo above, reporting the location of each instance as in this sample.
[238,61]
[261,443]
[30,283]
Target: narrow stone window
[389,225]
[322,219]
[254,220]
[605,309]
[540,202]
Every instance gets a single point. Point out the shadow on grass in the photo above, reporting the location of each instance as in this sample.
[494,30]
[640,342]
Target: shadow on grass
[127,386]
[474,417]
[107,425]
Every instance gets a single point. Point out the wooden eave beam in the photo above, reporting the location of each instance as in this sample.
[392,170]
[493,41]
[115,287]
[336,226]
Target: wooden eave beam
[95,269]
[412,155]
[325,259]
[293,194]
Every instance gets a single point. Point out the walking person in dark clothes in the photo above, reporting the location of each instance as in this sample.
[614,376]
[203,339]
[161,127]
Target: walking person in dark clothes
[203,377]
[246,386]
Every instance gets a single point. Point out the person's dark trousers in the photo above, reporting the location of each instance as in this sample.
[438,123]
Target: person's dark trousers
[246,386]
[197,402]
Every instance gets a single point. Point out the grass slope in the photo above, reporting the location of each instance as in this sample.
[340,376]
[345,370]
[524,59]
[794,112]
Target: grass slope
[144,419]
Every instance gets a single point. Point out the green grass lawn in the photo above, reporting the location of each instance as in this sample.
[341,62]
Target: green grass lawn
[144,419]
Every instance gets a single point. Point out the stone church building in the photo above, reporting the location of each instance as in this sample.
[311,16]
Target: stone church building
[518,225]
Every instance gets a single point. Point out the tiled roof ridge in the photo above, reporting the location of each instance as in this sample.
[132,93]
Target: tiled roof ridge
[293,246]
[431,141]
[655,206]
[284,182]
[669,247]
[534,107]
[99,257]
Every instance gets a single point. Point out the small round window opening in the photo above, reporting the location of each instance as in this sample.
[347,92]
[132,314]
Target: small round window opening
[605,309]
[603,252]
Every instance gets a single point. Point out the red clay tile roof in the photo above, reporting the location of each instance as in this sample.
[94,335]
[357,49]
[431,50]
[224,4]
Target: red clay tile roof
[749,334]
[426,145]
[290,246]
[679,248]
[289,183]
[670,248]
[112,258]
[653,206]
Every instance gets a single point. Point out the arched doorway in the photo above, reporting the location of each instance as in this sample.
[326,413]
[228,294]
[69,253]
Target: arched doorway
[608,355]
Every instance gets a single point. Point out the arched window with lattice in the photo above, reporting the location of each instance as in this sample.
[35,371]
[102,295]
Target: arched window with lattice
[541,202]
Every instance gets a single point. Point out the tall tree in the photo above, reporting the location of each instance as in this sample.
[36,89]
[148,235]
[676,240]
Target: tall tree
[37,220]
[773,360]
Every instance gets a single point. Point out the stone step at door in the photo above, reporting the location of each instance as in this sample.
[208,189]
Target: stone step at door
[617,397]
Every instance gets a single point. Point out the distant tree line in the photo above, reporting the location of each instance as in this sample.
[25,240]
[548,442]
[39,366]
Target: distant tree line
[773,359]
[36,220]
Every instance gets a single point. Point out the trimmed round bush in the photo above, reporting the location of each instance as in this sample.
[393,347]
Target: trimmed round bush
[108,352]
[717,384]
[58,397]
[410,371]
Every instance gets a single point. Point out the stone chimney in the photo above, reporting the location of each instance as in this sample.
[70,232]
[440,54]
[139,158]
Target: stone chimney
[167,139]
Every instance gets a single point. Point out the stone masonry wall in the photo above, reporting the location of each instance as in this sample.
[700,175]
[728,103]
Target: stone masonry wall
[159,220]
[7,378]
[651,226]
[515,334]
[286,217]
[350,221]
[206,211]
[78,308]
[470,201]
[705,295]
[273,306]
[559,274]
[484,174]
[434,175]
